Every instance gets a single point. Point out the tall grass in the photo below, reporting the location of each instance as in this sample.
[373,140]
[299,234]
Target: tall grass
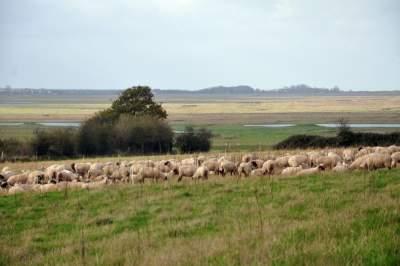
[332,219]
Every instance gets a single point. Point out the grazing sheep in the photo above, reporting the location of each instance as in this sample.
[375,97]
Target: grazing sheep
[246,168]
[97,184]
[37,177]
[274,167]
[96,169]
[81,169]
[48,187]
[340,168]
[393,148]
[187,170]
[227,167]
[291,171]
[395,159]
[258,163]
[201,159]
[359,163]
[17,179]
[3,184]
[337,157]
[378,160]
[212,165]
[201,173]
[66,175]
[349,155]
[4,175]
[282,162]
[135,169]
[258,172]
[363,151]
[327,161]
[297,160]
[189,161]
[151,173]
[381,150]
[20,188]
[268,166]
[248,157]
[109,169]
[311,171]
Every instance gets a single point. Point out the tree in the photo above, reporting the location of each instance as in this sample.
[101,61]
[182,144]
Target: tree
[345,136]
[138,101]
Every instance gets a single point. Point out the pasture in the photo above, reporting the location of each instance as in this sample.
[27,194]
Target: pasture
[334,219]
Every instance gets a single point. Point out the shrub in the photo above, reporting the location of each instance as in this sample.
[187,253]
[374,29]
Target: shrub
[142,134]
[13,148]
[194,141]
[344,138]
[306,141]
[57,142]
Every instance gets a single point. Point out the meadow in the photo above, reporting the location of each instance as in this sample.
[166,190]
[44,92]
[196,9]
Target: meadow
[332,219]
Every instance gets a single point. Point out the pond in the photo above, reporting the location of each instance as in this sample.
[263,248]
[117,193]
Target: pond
[271,125]
[46,124]
[362,125]
[330,125]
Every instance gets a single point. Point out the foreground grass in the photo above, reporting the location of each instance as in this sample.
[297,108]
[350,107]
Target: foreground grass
[329,219]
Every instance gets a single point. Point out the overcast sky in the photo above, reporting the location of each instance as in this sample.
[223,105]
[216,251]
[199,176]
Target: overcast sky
[192,44]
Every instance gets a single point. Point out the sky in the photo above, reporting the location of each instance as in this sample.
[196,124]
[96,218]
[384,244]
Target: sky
[193,44]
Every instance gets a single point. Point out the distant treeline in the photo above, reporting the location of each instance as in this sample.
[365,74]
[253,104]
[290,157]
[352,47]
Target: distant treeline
[345,138]
[128,136]
[295,90]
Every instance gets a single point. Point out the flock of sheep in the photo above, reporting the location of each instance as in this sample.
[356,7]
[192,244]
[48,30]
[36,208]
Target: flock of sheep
[94,175]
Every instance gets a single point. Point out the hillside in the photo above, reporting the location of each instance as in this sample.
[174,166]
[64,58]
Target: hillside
[328,219]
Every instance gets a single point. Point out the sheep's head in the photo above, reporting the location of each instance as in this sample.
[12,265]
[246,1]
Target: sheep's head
[175,170]
[321,167]
[41,179]
[73,167]
[254,165]
[3,184]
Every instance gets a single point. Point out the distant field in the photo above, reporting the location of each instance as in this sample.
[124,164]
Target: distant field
[235,110]
[224,117]
[327,219]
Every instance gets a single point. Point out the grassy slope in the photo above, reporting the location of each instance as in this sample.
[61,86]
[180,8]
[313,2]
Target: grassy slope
[329,219]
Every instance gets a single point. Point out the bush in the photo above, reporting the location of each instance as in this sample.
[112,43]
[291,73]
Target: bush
[13,148]
[143,134]
[306,141]
[344,138]
[194,141]
[94,137]
[56,143]
[128,134]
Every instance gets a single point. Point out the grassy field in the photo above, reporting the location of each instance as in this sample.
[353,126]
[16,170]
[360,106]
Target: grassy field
[328,219]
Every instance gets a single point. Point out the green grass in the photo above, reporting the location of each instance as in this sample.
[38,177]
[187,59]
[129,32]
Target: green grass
[331,219]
